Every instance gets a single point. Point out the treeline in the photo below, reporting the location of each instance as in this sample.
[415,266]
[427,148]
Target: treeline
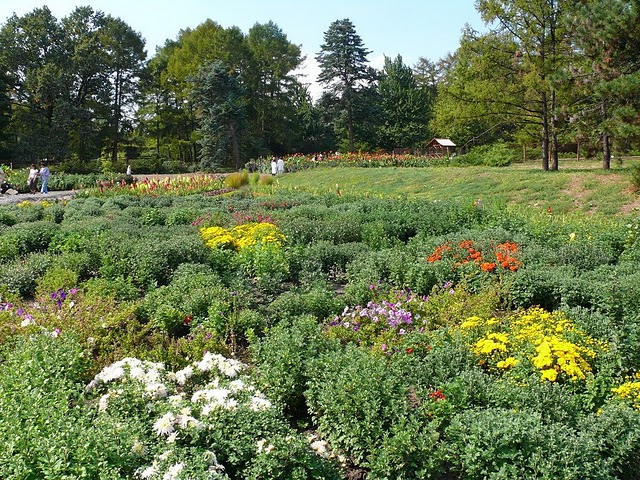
[80,90]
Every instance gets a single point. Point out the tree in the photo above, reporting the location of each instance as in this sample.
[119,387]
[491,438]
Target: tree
[405,106]
[536,28]
[343,64]
[125,49]
[272,86]
[31,49]
[606,69]
[219,96]
[480,94]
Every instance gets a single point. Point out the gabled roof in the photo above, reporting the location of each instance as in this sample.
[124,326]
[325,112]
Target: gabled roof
[445,142]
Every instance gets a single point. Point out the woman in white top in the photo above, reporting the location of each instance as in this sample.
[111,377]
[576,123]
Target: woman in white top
[32,179]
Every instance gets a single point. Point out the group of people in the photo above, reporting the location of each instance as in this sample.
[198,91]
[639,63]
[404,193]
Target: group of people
[277,166]
[41,173]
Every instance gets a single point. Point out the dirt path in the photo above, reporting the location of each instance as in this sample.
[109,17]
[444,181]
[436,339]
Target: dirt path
[36,197]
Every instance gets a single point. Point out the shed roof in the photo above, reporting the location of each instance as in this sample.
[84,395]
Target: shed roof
[445,142]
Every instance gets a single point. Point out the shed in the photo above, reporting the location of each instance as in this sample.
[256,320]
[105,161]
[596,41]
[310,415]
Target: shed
[440,147]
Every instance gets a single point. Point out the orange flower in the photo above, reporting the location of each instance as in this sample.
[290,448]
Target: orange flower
[487,266]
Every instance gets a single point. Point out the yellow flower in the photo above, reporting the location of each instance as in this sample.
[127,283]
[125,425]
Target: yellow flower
[507,363]
[550,374]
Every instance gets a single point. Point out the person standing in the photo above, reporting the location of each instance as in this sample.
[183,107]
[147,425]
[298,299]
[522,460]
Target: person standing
[129,172]
[32,179]
[274,166]
[44,175]
[280,165]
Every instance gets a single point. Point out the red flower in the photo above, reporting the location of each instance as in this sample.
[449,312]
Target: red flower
[409,350]
[187,319]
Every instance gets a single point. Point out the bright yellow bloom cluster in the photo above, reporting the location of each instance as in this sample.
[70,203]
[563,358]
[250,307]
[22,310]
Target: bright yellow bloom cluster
[630,390]
[242,236]
[548,341]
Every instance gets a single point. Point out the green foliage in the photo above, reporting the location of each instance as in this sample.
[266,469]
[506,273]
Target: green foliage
[354,399]
[46,430]
[495,155]
[283,358]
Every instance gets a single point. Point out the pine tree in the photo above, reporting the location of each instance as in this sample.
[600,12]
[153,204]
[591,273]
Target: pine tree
[344,68]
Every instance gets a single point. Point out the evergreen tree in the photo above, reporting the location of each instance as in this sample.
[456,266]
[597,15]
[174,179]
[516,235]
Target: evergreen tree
[220,98]
[405,106]
[344,69]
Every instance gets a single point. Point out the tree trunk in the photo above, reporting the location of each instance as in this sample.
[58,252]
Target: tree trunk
[545,133]
[606,140]
[554,132]
[235,145]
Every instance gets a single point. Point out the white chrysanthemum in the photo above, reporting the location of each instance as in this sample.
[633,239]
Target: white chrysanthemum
[103,403]
[236,385]
[218,395]
[113,372]
[208,408]
[136,372]
[173,437]
[174,471]
[156,390]
[164,425]
[231,404]
[259,403]
[152,376]
[183,375]
[260,445]
[27,322]
[176,400]
[165,455]
[139,448]
[149,472]
[320,447]
[229,367]
[198,395]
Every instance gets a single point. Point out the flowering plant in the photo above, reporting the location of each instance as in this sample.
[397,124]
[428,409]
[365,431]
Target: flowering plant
[205,420]
[547,342]
[503,256]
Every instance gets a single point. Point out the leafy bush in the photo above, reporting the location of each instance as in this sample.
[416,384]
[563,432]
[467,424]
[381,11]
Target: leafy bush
[496,155]
[283,357]
[354,400]
[45,431]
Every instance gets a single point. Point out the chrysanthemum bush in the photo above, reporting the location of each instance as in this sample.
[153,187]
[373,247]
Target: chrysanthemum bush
[548,343]
[259,248]
[206,420]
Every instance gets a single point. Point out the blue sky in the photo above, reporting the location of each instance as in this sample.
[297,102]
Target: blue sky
[411,28]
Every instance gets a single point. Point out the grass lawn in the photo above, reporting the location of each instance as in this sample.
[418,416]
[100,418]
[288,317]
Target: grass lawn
[576,187]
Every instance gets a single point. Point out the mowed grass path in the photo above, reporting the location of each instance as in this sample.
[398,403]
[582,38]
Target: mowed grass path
[574,188]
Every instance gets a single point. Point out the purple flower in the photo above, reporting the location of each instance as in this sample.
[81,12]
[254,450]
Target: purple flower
[73,291]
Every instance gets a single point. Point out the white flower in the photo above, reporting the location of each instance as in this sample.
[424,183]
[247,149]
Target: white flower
[164,425]
[173,472]
[156,390]
[231,404]
[320,447]
[103,403]
[139,448]
[136,372]
[173,437]
[149,472]
[27,322]
[165,455]
[236,385]
[183,375]
[259,403]
[110,373]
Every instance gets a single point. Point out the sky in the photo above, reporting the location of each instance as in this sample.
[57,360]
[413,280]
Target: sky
[410,28]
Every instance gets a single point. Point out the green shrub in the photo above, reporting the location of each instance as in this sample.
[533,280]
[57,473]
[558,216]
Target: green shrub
[318,301]
[354,400]
[237,179]
[634,176]
[504,443]
[495,155]
[282,358]
[20,277]
[45,430]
